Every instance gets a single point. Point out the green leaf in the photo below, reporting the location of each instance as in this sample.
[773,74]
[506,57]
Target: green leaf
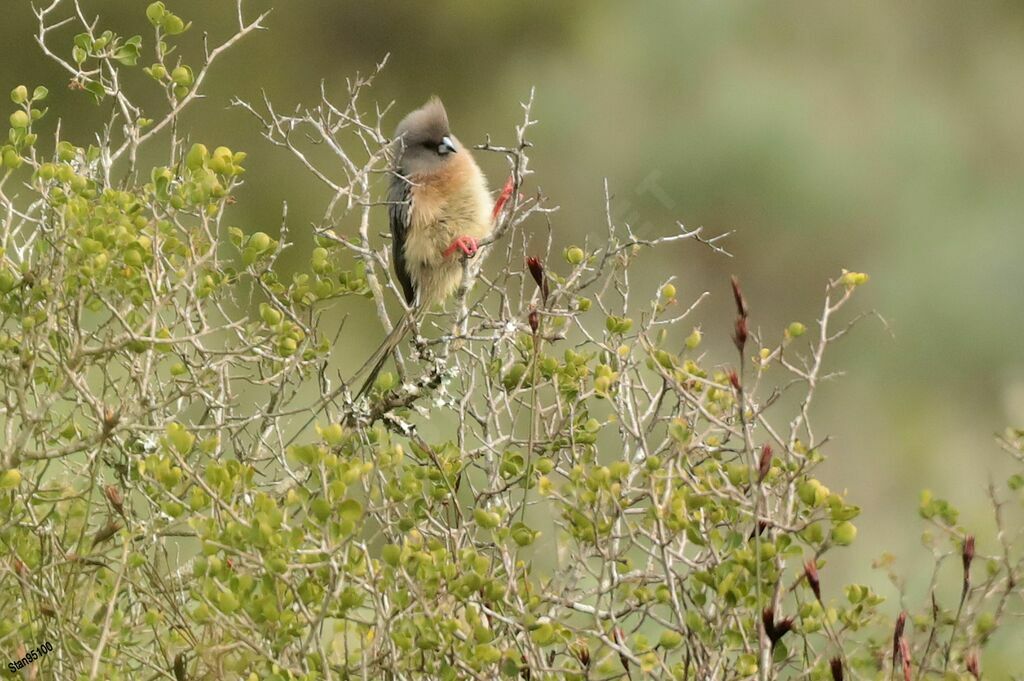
[155,13]
[127,55]
[95,89]
[19,119]
[173,25]
[84,41]
[351,510]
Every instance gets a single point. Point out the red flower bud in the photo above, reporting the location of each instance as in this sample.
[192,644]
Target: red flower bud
[534,320]
[765,464]
[811,572]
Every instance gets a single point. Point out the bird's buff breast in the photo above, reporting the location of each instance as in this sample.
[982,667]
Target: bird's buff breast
[448,205]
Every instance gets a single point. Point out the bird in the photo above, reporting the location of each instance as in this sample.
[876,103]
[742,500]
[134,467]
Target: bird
[439,206]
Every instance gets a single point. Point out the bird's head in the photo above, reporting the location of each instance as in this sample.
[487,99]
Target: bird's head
[424,143]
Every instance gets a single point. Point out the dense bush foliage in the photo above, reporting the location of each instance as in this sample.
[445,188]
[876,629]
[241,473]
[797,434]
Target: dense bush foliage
[188,492]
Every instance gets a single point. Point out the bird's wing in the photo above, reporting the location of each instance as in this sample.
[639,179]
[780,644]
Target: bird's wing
[399,197]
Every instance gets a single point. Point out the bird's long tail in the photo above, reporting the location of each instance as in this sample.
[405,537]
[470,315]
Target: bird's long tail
[377,360]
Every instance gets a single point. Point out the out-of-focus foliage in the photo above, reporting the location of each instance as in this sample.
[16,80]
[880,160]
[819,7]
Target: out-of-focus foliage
[559,480]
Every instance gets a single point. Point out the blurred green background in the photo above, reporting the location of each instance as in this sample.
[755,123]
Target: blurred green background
[881,137]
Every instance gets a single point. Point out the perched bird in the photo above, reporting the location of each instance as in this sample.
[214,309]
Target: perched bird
[439,207]
[438,204]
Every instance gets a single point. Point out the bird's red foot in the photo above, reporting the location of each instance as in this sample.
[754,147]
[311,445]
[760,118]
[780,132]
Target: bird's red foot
[466,244]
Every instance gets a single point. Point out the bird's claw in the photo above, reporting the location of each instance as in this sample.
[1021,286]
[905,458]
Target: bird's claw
[466,244]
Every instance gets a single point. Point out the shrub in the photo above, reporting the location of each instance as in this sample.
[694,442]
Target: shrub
[186,492]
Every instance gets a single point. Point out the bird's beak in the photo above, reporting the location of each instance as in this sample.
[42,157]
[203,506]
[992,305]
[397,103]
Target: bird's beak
[446,146]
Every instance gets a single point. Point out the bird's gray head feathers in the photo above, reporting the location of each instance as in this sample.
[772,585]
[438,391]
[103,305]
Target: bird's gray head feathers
[423,140]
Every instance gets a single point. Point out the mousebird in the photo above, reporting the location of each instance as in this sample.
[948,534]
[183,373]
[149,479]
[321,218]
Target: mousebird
[439,208]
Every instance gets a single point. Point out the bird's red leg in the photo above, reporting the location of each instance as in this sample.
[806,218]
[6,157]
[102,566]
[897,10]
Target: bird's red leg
[466,244]
[506,194]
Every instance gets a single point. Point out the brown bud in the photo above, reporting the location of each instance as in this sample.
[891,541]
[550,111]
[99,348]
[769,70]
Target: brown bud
[967,555]
[20,568]
[739,336]
[537,271]
[737,294]
[775,630]
[762,525]
[582,652]
[110,420]
[973,666]
[106,532]
[897,634]
[905,656]
[115,498]
[765,464]
[180,664]
[836,664]
[811,572]
[734,379]
[534,320]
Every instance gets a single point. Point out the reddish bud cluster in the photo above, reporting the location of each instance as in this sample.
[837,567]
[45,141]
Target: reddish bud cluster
[811,573]
[534,320]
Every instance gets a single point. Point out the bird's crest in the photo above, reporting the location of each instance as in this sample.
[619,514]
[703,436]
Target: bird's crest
[430,121]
